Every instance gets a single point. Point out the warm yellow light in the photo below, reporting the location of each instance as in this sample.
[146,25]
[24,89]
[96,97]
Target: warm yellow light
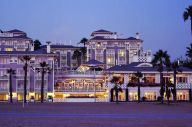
[7,96]
[171,79]
[91,95]
[31,94]
[122,53]
[50,94]
[8,49]
[14,95]
[108,60]
[66,95]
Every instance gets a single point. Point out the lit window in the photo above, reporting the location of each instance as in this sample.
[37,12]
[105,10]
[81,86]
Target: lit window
[108,60]
[121,53]
[8,49]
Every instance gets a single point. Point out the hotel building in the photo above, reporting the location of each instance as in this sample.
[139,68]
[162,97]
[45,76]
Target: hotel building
[14,45]
[107,55]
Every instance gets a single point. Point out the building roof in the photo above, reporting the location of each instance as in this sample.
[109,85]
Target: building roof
[16,37]
[138,66]
[120,39]
[61,46]
[15,31]
[93,62]
[101,31]
[36,52]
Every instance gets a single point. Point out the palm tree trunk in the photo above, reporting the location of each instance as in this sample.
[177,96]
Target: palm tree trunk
[116,95]
[139,92]
[10,87]
[42,85]
[191,25]
[127,94]
[25,83]
[162,87]
[111,99]
[174,88]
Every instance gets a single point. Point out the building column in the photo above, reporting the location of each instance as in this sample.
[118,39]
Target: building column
[157,78]
[126,81]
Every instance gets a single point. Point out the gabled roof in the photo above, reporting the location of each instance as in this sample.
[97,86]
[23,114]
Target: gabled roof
[133,67]
[120,39]
[132,38]
[93,62]
[15,31]
[16,37]
[61,46]
[102,31]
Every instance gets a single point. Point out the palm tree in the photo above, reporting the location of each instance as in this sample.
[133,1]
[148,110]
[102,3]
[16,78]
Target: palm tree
[168,94]
[10,72]
[83,49]
[83,41]
[116,81]
[37,44]
[26,60]
[44,68]
[188,14]
[77,56]
[189,52]
[176,69]
[138,76]
[161,60]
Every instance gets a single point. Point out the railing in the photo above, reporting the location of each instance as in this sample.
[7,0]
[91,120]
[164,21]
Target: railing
[183,86]
[20,89]
[39,77]
[79,73]
[39,89]
[79,90]
[21,77]
[4,89]
[4,77]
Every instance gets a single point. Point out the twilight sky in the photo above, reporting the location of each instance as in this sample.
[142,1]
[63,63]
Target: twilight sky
[159,22]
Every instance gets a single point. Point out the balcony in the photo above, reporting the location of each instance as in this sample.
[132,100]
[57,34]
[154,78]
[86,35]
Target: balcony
[183,86]
[79,74]
[4,77]
[79,89]
[20,89]
[39,89]
[4,90]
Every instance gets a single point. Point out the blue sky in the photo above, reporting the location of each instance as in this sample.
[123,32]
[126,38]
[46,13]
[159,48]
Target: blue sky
[159,22]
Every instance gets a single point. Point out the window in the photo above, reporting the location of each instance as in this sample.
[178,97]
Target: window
[8,49]
[181,79]
[121,53]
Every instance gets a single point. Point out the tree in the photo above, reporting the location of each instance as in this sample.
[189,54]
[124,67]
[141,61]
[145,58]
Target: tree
[10,72]
[83,51]
[189,52]
[83,41]
[188,14]
[176,69]
[37,44]
[168,94]
[44,68]
[77,56]
[138,75]
[26,60]
[161,61]
[117,83]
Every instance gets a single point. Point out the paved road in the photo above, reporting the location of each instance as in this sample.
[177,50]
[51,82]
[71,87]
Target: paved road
[120,116]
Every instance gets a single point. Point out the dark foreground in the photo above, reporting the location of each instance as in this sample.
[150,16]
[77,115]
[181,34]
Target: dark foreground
[96,115]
